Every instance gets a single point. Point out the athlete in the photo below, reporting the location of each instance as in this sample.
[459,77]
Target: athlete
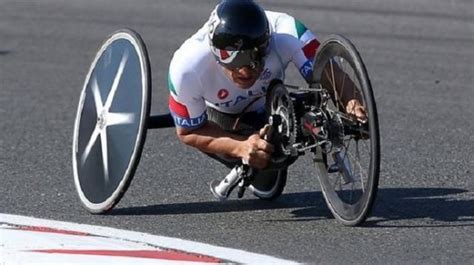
[218,80]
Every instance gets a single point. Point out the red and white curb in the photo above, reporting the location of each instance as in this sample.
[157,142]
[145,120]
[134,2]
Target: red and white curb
[27,240]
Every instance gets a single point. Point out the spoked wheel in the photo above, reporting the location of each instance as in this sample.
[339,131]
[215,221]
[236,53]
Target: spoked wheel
[348,165]
[111,121]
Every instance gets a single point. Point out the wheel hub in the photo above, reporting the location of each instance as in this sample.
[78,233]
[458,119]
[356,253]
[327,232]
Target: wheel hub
[101,120]
[335,129]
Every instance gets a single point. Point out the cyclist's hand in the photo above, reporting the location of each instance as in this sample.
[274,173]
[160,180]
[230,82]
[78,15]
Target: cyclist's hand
[355,108]
[266,132]
[256,152]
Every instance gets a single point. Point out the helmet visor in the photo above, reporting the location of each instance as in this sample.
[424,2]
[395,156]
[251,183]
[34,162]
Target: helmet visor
[233,59]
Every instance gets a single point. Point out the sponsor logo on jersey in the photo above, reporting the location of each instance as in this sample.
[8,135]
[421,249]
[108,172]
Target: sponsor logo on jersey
[181,115]
[241,98]
[189,123]
[307,70]
[266,74]
[222,93]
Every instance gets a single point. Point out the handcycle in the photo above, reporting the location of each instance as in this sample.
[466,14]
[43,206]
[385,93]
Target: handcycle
[113,117]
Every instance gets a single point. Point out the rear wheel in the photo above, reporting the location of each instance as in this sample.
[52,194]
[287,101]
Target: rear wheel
[111,121]
[348,165]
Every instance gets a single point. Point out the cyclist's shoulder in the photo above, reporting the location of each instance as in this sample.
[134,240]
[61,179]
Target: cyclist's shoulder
[192,54]
[274,16]
[284,34]
[280,22]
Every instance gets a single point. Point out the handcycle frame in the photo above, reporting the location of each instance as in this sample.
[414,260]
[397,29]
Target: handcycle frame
[310,126]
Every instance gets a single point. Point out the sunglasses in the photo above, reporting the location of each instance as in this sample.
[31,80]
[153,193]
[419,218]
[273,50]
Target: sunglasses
[236,59]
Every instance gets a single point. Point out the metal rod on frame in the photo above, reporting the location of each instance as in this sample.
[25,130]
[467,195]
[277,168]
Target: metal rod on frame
[160,121]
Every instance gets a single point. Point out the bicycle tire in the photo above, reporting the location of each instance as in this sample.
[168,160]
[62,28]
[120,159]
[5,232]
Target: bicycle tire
[115,102]
[349,213]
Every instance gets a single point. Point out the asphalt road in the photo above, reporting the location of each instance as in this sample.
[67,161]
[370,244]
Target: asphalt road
[421,60]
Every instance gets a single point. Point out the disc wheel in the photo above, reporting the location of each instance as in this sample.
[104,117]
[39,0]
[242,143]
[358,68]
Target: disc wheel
[111,121]
[348,165]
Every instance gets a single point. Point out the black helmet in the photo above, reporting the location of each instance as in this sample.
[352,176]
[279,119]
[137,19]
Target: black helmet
[239,33]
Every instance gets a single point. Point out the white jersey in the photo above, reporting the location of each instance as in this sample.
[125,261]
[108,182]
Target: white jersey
[197,82]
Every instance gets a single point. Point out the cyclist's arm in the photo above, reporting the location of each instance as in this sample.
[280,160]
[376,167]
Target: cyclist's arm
[338,83]
[210,138]
[298,44]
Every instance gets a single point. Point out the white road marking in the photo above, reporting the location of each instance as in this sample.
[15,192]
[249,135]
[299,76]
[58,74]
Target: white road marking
[21,246]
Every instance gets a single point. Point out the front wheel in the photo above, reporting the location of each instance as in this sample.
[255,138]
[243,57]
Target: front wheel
[348,165]
[268,185]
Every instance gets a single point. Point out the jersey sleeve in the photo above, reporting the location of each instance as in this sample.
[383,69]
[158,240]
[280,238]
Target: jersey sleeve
[298,42]
[186,105]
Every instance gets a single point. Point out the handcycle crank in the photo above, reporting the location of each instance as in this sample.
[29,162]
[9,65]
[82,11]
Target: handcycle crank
[242,175]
